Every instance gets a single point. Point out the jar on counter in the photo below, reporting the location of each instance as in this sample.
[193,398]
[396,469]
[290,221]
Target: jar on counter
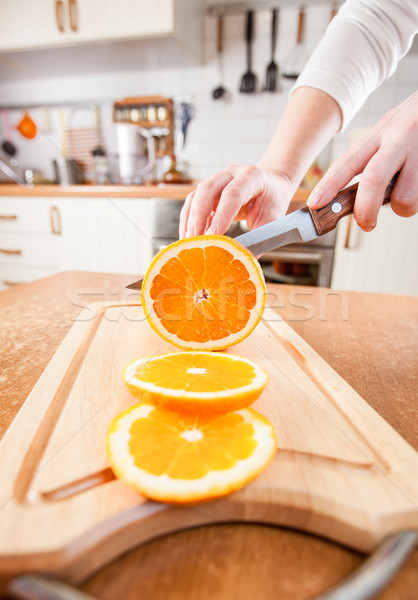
[101,166]
[174,174]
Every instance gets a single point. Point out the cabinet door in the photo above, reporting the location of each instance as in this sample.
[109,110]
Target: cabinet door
[34,24]
[106,235]
[383,260]
[94,20]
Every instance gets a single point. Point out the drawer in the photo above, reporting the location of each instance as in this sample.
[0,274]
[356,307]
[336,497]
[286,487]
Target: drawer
[27,249]
[25,214]
[11,276]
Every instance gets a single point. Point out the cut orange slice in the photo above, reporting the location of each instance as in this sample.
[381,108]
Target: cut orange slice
[196,382]
[175,458]
[204,293]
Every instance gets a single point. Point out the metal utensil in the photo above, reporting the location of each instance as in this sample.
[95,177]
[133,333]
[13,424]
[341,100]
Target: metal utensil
[272,74]
[7,145]
[220,91]
[369,579]
[184,114]
[305,224]
[249,79]
[296,59]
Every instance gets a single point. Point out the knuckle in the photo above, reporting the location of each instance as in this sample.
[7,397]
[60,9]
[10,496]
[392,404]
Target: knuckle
[207,185]
[196,214]
[374,176]
[251,170]
[232,195]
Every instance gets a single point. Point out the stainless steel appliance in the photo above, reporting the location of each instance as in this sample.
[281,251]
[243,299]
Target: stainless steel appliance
[298,264]
[135,154]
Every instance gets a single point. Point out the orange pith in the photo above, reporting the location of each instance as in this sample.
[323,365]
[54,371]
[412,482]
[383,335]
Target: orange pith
[204,292]
[195,381]
[178,458]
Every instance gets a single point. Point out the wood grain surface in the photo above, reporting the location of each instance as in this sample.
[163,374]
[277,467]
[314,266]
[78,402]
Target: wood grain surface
[369,339]
[176,191]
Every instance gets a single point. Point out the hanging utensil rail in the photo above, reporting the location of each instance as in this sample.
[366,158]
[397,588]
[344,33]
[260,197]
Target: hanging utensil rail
[220,9]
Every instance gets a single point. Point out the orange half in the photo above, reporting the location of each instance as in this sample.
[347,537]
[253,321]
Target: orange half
[205,292]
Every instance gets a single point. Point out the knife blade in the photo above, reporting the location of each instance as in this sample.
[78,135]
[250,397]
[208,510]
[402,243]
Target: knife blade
[305,224]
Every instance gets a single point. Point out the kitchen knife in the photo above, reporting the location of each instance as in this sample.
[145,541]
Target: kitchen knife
[300,226]
[305,224]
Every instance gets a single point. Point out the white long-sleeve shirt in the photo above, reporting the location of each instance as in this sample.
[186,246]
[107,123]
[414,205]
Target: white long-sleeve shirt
[360,48]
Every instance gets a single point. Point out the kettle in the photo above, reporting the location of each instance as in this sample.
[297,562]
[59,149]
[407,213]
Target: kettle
[135,153]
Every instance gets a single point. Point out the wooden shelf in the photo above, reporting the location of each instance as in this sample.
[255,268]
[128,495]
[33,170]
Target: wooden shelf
[143,112]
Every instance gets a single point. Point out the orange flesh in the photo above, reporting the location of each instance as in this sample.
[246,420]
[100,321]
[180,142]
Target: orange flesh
[158,446]
[203,294]
[179,372]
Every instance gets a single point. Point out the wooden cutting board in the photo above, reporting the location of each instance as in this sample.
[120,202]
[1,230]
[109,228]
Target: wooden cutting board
[340,470]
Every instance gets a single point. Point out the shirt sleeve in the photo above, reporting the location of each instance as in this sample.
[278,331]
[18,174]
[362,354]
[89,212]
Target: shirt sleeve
[360,48]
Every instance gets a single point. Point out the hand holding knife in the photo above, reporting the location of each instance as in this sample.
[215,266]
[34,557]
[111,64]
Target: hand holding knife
[305,224]
[302,225]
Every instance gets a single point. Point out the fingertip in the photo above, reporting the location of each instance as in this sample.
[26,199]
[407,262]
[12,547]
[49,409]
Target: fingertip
[315,197]
[367,228]
[213,229]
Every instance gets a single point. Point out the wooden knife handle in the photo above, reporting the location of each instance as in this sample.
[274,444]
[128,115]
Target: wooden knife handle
[326,218]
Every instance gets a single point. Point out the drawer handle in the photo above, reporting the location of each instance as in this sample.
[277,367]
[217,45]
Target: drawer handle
[73,9]
[55,220]
[59,7]
[7,251]
[8,217]
[11,283]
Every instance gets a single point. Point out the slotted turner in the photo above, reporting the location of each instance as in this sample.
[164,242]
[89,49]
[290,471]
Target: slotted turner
[249,79]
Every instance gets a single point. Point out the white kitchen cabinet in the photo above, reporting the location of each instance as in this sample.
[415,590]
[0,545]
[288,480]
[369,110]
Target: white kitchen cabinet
[384,260]
[102,234]
[124,19]
[30,215]
[32,24]
[42,236]
[50,23]
[26,241]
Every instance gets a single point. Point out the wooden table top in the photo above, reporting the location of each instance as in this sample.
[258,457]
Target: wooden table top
[369,339]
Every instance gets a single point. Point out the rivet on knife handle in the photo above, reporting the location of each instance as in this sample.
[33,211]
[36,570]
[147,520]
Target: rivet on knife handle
[326,218]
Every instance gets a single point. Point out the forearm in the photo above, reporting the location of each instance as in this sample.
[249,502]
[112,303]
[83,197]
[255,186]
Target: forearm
[310,120]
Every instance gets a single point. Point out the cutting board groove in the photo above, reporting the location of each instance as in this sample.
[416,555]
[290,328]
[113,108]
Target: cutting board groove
[340,470]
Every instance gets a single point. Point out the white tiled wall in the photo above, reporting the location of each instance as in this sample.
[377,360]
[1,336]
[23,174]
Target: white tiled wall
[221,132]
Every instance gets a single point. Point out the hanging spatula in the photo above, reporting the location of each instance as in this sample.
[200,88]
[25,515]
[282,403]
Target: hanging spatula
[296,59]
[272,74]
[249,79]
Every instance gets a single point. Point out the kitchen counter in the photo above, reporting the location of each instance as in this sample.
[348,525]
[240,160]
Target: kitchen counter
[175,192]
[369,339]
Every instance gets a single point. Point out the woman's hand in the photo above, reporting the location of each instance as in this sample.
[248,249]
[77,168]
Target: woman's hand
[390,146]
[238,192]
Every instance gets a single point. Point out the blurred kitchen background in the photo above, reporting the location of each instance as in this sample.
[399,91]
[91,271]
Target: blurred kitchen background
[70,65]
